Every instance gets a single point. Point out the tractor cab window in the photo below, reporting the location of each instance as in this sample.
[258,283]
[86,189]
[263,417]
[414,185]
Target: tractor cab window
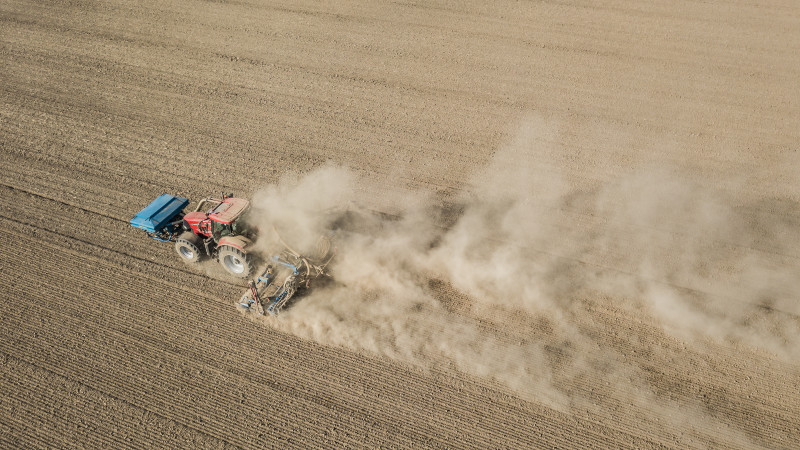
[240,226]
[221,230]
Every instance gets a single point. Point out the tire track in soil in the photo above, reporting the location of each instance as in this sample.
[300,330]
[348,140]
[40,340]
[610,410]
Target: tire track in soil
[184,411]
[663,363]
[47,387]
[400,381]
[583,385]
[318,60]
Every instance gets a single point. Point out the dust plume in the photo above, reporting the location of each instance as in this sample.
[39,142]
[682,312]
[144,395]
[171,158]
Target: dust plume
[381,300]
[500,283]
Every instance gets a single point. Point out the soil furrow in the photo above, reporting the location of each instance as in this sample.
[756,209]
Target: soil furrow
[629,148]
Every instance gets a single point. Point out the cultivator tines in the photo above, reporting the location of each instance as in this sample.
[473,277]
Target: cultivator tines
[268,294]
[252,302]
[286,292]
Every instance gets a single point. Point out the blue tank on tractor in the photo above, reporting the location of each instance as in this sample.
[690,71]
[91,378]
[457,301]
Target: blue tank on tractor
[159,218]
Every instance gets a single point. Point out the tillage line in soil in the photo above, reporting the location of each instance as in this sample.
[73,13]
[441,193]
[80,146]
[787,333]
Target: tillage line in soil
[46,426]
[161,123]
[103,378]
[30,432]
[42,197]
[770,422]
[45,231]
[102,178]
[730,384]
[215,402]
[201,356]
[243,375]
[152,170]
[79,222]
[52,372]
[129,72]
[685,388]
[136,320]
[649,329]
[82,280]
[27,417]
[328,402]
[202,135]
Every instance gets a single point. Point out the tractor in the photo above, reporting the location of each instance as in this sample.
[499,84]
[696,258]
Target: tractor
[216,228]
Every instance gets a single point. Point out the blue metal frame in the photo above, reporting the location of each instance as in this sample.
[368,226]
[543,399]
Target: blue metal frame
[278,298]
[167,239]
[291,266]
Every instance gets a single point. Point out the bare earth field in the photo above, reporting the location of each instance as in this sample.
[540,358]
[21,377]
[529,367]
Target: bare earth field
[591,232]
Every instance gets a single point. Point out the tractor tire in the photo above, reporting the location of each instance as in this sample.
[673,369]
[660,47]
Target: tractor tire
[187,247]
[235,261]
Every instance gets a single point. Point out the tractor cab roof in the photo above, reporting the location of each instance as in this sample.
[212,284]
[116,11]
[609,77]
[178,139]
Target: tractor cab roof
[228,210]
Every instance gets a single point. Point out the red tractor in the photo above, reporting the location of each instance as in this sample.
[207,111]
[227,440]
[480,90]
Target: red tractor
[215,228]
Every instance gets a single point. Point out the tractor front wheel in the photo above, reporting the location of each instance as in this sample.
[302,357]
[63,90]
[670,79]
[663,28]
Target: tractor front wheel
[235,261]
[187,247]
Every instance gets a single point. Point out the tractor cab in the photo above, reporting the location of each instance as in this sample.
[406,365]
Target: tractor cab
[223,219]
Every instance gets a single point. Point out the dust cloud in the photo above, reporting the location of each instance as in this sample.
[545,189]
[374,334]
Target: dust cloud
[498,283]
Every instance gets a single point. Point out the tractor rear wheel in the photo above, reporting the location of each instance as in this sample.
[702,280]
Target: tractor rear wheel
[187,247]
[235,261]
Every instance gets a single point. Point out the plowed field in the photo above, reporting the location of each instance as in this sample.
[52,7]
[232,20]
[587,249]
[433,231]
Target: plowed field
[590,231]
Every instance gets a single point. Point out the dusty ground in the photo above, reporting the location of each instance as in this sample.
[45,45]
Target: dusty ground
[108,340]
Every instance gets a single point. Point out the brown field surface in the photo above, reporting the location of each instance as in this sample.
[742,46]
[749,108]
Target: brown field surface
[588,232]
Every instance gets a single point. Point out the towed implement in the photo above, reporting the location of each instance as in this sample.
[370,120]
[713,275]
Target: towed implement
[278,283]
[217,228]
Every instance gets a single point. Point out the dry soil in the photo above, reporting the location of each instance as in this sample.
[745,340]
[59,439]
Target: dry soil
[108,340]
